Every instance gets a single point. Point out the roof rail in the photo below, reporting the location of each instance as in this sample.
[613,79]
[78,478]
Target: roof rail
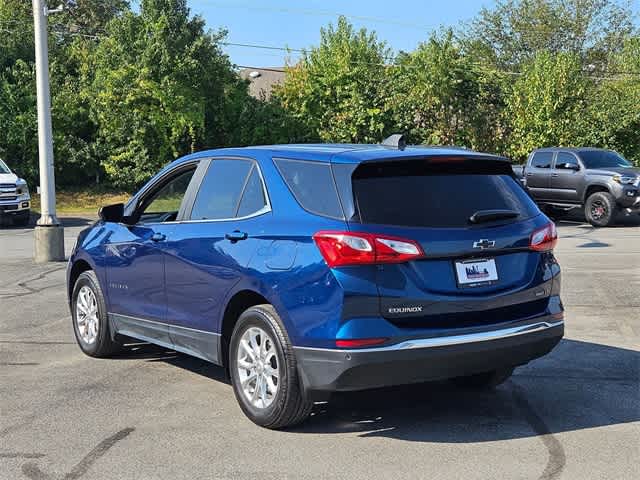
[396,141]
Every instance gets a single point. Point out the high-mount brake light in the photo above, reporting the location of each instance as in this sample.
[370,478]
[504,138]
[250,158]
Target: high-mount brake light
[446,159]
[358,248]
[544,239]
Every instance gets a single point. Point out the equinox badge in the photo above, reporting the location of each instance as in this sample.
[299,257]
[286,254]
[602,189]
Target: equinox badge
[484,243]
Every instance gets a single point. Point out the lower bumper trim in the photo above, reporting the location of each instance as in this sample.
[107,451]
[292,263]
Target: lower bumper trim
[424,359]
[454,339]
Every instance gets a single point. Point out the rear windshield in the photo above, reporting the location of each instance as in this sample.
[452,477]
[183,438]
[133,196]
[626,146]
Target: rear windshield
[411,197]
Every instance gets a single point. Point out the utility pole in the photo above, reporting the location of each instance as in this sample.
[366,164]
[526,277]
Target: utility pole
[49,233]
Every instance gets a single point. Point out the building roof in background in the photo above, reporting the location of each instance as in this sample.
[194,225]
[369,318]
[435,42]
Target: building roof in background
[262,80]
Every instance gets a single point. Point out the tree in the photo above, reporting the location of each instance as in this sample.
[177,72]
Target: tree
[441,97]
[546,104]
[339,88]
[159,90]
[71,42]
[18,119]
[515,31]
[614,110]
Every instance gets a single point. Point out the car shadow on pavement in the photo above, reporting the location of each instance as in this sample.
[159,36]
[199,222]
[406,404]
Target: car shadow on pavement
[579,385]
[155,353]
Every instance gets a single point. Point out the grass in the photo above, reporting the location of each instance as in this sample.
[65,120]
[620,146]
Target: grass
[81,202]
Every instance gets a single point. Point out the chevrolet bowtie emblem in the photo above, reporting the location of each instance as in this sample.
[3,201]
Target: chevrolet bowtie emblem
[484,243]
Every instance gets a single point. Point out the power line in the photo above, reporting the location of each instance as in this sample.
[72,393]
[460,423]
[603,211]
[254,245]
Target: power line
[324,13]
[264,47]
[265,69]
[78,32]
[392,59]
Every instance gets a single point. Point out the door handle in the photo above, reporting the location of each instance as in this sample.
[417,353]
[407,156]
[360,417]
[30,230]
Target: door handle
[236,236]
[529,174]
[158,237]
[554,175]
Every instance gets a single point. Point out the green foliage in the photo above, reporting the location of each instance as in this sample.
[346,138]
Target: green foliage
[614,107]
[545,106]
[515,31]
[131,91]
[152,88]
[18,120]
[441,97]
[134,89]
[339,89]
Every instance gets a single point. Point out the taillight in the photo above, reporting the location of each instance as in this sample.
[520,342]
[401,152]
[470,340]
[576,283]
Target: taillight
[357,248]
[544,239]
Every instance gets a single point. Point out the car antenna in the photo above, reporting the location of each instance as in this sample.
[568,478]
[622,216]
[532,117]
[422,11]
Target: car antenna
[396,141]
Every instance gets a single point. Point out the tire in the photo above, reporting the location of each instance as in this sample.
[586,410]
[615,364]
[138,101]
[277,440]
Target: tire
[95,342]
[600,209]
[485,380]
[22,220]
[284,407]
[555,213]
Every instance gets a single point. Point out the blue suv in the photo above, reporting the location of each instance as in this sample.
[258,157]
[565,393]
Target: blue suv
[310,269]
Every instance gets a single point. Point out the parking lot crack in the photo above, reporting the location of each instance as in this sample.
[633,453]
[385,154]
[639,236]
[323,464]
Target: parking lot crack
[33,472]
[31,290]
[557,458]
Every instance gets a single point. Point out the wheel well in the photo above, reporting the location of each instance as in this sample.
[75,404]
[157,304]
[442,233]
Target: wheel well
[238,304]
[593,189]
[78,267]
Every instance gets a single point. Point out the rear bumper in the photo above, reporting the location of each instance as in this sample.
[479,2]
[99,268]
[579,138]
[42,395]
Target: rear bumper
[419,360]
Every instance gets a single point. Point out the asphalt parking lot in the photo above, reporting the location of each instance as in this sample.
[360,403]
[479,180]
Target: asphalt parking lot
[155,414]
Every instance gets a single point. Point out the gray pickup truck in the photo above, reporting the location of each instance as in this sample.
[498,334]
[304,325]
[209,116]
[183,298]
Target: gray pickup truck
[600,181]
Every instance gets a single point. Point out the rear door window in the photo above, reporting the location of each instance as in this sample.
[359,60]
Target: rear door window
[253,199]
[564,159]
[221,189]
[542,159]
[312,185]
[411,198]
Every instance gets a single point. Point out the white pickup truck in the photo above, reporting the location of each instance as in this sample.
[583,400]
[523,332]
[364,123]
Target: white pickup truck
[15,201]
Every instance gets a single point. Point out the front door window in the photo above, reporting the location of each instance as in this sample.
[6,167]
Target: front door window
[164,205]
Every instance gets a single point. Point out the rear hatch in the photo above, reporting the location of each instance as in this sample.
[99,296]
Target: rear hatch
[473,223]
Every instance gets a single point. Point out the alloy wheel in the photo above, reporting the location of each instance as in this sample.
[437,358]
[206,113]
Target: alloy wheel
[598,209]
[258,369]
[87,315]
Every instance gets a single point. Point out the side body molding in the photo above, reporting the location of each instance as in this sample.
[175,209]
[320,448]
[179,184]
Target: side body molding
[201,344]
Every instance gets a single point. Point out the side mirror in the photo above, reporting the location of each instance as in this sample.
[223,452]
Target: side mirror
[569,166]
[112,213]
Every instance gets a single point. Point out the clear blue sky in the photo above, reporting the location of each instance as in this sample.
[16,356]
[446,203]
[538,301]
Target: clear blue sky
[403,24]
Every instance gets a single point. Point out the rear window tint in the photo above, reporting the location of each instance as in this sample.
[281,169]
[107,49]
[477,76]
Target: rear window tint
[312,185]
[438,200]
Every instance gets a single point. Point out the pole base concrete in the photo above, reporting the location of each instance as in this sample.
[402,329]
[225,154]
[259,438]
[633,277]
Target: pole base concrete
[49,243]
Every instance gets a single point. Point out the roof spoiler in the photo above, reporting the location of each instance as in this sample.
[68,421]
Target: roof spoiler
[395,141]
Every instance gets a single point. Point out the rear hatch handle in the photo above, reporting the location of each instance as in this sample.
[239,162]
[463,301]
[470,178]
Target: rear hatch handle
[482,216]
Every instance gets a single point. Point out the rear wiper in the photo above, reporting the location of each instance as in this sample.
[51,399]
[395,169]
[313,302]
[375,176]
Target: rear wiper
[482,216]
